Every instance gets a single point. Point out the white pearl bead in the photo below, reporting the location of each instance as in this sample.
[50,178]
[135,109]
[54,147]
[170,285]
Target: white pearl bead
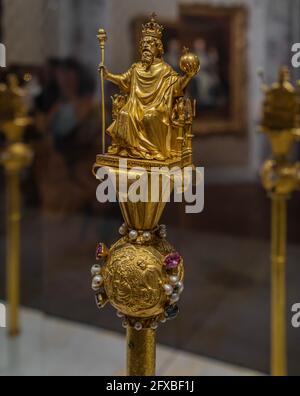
[122,230]
[96,269]
[168,289]
[175,297]
[147,236]
[163,234]
[125,324]
[133,235]
[138,326]
[120,315]
[97,282]
[154,326]
[174,279]
[180,286]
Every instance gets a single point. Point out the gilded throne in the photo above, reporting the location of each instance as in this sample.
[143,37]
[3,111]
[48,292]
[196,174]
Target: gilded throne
[183,111]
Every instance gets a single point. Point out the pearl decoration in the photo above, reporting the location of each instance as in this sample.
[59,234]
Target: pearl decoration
[133,235]
[180,287]
[163,234]
[122,231]
[125,324]
[147,236]
[174,297]
[168,289]
[97,282]
[96,269]
[138,326]
[174,279]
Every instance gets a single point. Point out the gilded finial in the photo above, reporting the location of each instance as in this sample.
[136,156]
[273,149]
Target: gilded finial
[284,75]
[280,111]
[281,114]
[153,16]
[102,37]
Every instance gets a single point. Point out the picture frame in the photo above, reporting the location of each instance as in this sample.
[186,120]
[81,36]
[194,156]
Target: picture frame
[225,29]
[217,34]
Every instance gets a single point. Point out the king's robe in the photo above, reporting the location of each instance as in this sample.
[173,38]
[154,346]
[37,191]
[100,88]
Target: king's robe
[143,124]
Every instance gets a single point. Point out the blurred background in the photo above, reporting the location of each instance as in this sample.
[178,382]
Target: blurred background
[225,311]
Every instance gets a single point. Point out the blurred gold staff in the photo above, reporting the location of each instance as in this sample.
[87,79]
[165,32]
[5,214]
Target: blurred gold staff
[102,37]
[15,157]
[280,177]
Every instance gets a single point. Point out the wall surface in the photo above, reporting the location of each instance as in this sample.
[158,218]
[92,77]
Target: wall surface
[36,29]
[23,30]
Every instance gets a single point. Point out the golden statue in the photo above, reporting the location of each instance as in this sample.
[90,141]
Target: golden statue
[142,126]
[141,275]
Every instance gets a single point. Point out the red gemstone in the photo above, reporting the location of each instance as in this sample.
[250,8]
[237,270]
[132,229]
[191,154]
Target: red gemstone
[173,260]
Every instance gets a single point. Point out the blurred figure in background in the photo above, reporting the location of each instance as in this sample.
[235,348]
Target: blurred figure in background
[174,53]
[208,86]
[67,116]
[50,91]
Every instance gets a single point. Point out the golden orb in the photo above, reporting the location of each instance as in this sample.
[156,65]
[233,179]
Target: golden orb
[189,63]
[135,276]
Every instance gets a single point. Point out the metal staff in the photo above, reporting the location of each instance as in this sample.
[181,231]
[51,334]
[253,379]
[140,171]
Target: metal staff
[13,249]
[141,352]
[279,240]
[16,157]
[280,177]
[102,37]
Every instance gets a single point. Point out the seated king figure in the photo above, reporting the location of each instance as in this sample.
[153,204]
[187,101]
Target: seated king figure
[142,126]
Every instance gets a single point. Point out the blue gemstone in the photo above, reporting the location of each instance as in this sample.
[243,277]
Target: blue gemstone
[172,312]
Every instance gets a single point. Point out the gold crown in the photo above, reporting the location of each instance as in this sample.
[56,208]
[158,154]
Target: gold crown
[153,28]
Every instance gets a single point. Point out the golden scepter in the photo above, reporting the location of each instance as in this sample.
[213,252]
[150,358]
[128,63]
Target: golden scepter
[102,37]
[141,275]
[14,158]
[280,177]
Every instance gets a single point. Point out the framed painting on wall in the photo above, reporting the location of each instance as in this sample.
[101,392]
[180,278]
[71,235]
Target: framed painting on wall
[218,36]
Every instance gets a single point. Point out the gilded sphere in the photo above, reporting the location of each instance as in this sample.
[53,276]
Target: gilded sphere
[16,156]
[134,276]
[189,63]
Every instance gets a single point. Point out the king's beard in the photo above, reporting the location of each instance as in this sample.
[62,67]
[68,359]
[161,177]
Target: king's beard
[147,59]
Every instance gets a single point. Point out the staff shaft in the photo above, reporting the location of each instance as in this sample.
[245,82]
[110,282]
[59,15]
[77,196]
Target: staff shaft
[141,352]
[13,250]
[278,303]
[103,100]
